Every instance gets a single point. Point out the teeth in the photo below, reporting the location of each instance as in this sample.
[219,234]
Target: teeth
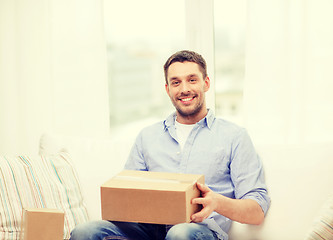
[186,99]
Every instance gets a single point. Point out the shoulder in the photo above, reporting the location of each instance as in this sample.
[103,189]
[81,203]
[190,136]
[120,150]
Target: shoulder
[152,130]
[228,128]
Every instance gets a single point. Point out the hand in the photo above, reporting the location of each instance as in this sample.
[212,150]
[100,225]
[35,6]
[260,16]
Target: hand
[208,202]
[241,210]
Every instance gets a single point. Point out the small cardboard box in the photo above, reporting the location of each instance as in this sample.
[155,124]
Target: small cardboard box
[42,224]
[150,197]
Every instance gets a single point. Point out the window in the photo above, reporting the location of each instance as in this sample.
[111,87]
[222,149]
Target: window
[229,29]
[140,36]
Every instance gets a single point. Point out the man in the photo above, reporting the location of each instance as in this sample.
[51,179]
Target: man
[193,141]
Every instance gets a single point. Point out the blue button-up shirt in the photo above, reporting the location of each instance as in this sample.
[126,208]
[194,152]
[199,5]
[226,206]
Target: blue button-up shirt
[216,148]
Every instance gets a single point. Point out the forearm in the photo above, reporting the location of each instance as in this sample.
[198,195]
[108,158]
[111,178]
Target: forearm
[241,210]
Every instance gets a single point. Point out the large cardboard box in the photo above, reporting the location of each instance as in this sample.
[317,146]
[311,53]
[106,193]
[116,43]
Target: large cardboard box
[42,224]
[150,197]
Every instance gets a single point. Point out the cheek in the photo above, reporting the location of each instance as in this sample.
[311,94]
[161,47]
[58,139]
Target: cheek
[172,93]
[205,88]
[200,90]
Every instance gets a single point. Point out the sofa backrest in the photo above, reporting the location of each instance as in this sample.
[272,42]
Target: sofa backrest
[300,180]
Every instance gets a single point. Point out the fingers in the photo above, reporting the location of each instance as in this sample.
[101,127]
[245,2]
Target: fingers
[205,211]
[203,188]
[208,202]
[200,216]
[197,201]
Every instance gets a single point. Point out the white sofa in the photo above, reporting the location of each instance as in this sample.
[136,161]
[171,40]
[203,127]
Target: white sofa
[299,179]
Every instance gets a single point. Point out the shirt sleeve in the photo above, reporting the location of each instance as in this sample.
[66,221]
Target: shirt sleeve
[135,159]
[247,173]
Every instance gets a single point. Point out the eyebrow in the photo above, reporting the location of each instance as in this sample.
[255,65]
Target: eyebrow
[188,76]
[173,78]
[192,75]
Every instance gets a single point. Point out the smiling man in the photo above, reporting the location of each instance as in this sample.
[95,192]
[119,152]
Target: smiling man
[192,140]
[186,86]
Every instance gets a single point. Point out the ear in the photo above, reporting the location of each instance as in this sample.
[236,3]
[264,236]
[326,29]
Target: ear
[207,84]
[167,89]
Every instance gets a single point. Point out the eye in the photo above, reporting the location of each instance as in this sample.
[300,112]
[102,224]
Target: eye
[193,80]
[175,83]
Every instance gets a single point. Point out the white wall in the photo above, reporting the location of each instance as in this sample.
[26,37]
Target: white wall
[53,75]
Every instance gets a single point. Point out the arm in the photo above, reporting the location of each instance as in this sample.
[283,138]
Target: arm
[241,210]
[250,201]
[135,160]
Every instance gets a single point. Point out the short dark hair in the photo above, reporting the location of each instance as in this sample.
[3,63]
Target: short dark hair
[186,56]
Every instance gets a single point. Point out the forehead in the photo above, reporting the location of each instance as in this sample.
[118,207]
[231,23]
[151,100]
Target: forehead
[183,69]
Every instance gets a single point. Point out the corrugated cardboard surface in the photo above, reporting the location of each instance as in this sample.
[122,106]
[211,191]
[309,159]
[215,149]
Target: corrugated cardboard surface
[42,224]
[150,197]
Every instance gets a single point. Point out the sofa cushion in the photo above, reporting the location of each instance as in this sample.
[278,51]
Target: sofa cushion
[38,182]
[96,160]
[323,224]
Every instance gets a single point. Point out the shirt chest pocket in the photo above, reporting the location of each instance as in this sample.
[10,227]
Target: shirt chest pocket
[212,162]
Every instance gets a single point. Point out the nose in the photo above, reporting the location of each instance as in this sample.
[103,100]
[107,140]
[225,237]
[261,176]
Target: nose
[185,88]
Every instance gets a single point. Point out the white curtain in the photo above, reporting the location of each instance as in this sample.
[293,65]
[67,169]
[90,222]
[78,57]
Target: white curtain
[200,37]
[53,75]
[288,92]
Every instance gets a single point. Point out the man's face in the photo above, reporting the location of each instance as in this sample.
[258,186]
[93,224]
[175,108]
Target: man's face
[186,89]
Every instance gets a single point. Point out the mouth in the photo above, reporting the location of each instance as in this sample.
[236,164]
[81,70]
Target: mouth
[187,100]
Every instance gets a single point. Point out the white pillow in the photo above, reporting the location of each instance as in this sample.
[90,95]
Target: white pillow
[322,228]
[38,182]
[96,160]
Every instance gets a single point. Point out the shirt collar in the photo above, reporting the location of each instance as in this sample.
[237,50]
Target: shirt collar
[206,121]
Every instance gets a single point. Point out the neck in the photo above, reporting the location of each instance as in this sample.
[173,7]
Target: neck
[191,119]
